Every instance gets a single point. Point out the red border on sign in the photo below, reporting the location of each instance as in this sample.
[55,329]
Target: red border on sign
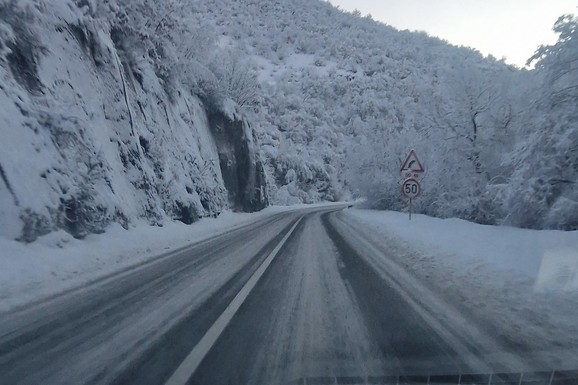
[418,187]
[409,156]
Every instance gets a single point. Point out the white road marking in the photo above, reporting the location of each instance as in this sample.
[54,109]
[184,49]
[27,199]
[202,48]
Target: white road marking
[190,364]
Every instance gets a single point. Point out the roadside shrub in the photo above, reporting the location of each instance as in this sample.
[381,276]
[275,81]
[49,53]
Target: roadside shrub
[34,225]
[80,216]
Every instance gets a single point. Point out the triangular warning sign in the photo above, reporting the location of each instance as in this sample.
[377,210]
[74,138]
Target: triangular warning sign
[412,164]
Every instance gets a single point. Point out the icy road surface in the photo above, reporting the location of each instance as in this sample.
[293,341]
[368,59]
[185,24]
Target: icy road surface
[332,304]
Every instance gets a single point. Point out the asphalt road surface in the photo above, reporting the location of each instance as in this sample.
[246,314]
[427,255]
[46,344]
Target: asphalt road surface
[300,297]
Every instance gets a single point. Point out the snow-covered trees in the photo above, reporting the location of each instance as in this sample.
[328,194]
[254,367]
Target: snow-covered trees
[350,96]
[492,135]
[235,78]
[543,189]
[335,102]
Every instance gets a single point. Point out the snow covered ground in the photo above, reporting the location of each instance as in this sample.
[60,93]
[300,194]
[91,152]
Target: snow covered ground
[57,261]
[525,282]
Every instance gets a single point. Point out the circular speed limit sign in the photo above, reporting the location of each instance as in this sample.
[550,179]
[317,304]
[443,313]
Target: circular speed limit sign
[411,188]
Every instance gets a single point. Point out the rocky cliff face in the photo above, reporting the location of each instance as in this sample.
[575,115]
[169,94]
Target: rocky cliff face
[89,138]
[242,171]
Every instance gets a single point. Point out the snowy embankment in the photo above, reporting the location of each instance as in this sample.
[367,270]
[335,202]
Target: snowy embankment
[92,135]
[57,261]
[523,282]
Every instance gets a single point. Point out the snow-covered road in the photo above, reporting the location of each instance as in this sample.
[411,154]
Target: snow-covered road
[336,308]
[95,333]
[342,302]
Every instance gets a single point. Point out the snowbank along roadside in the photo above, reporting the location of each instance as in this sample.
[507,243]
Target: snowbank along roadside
[523,282]
[57,261]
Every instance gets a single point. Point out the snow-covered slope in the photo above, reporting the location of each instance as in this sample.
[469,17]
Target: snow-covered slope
[114,110]
[86,139]
[344,98]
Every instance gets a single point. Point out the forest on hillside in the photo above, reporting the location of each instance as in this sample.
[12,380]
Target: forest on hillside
[346,97]
[337,99]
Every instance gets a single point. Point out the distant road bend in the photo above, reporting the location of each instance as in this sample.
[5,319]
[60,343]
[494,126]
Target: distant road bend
[299,297]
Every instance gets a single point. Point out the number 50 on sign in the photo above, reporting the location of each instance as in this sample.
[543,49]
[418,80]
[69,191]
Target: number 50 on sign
[411,188]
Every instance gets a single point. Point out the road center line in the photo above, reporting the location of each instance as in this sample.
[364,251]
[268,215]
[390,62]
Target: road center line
[190,364]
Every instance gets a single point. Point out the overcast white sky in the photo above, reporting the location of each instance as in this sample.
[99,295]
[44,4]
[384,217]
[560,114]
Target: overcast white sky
[504,28]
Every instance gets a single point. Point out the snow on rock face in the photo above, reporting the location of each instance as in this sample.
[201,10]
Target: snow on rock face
[243,173]
[89,139]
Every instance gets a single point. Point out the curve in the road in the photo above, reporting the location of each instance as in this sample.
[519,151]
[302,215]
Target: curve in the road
[320,312]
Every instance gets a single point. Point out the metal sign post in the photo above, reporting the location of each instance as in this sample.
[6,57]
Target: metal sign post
[410,170]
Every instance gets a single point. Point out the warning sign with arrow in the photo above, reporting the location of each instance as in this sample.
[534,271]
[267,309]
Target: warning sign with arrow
[411,166]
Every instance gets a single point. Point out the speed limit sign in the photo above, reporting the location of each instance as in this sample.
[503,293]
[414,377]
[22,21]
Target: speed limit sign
[411,188]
